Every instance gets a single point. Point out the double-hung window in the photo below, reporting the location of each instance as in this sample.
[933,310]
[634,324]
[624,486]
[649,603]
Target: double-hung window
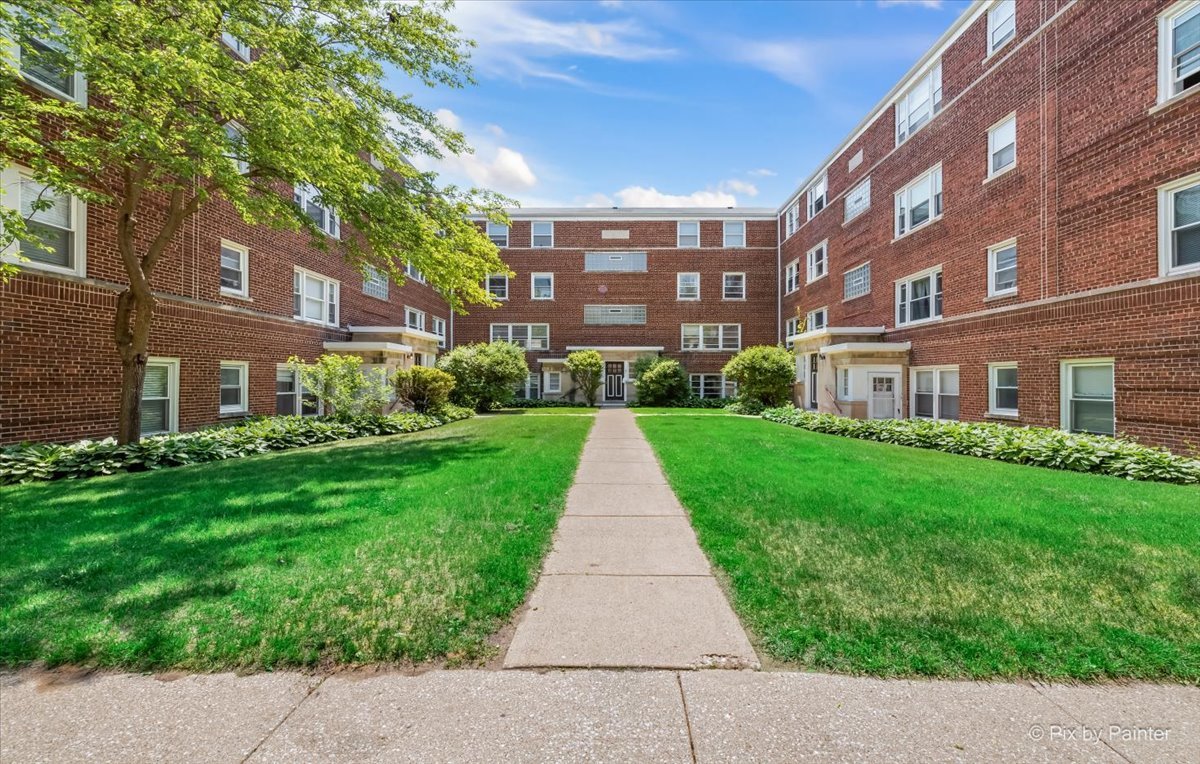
[42,58]
[309,200]
[1088,403]
[711,336]
[1002,24]
[235,267]
[791,329]
[56,223]
[414,319]
[919,202]
[235,382]
[375,282]
[817,261]
[554,382]
[816,320]
[919,104]
[497,286]
[735,233]
[1002,389]
[919,298]
[733,286]
[858,200]
[314,297]
[687,234]
[528,336]
[237,146]
[498,234]
[712,386]
[856,282]
[687,286]
[791,219]
[1002,268]
[817,196]
[935,393]
[791,277]
[291,396]
[439,328]
[411,271]
[239,48]
[160,396]
[1002,146]
[1178,49]
[1179,226]
[541,234]
[542,286]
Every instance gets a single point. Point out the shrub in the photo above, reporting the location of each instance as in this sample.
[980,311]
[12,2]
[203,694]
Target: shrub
[542,403]
[663,383]
[1038,446]
[423,388]
[340,381]
[748,407]
[29,462]
[485,373]
[764,375]
[641,365]
[586,368]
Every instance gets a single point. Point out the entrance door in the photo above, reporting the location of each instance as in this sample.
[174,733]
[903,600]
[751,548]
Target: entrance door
[885,398]
[614,381]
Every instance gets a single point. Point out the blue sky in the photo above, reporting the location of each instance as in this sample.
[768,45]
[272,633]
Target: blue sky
[671,103]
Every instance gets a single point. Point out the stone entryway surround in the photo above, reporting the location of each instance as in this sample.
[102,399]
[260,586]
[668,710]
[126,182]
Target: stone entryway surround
[626,585]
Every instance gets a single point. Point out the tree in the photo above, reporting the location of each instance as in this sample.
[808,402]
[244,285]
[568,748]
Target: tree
[586,368]
[343,385]
[424,388]
[764,374]
[180,118]
[485,373]
[663,383]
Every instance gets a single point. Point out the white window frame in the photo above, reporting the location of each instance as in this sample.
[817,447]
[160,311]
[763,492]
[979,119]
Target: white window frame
[842,385]
[904,205]
[790,329]
[410,313]
[846,296]
[78,80]
[411,271]
[937,392]
[852,211]
[817,195]
[528,335]
[994,148]
[992,251]
[439,328]
[791,277]
[721,337]
[533,234]
[331,295]
[993,386]
[1066,384]
[740,294]
[243,268]
[235,45]
[554,382]
[791,218]
[696,382]
[1166,226]
[10,183]
[497,233]
[303,195]
[1166,23]
[739,237]
[533,278]
[297,394]
[927,86]
[233,129]
[936,311]
[680,293]
[1002,13]
[376,283]
[489,286]
[810,321]
[812,264]
[172,365]
[679,234]
[243,369]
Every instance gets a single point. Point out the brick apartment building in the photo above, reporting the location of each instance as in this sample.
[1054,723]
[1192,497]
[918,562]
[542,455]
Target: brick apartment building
[1013,233]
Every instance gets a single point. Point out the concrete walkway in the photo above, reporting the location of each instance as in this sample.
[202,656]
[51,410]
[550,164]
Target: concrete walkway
[626,585]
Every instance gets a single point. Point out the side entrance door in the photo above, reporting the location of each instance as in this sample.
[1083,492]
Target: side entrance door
[885,397]
[614,381]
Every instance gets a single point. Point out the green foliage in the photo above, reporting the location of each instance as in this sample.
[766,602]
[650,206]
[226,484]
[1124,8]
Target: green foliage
[746,407]
[49,461]
[543,403]
[642,363]
[423,388]
[764,375]
[663,383]
[485,373]
[586,368]
[341,382]
[1037,446]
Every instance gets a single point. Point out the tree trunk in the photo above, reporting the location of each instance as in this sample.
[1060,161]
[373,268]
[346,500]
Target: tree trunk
[132,332]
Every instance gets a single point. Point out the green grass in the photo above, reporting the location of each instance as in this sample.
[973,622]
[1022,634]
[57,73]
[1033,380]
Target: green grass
[861,557]
[403,549]
[680,411]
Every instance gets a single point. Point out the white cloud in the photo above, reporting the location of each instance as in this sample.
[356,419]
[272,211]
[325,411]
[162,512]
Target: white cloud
[739,187]
[492,165]
[763,172]
[640,196]
[811,63]
[930,4]
[792,61]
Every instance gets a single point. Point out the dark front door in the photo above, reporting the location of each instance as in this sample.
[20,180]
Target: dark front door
[614,381]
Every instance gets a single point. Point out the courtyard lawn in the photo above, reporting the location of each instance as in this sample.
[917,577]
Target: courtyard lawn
[861,557]
[400,549]
[682,411]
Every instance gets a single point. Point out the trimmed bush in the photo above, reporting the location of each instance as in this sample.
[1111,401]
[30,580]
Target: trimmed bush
[485,373]
[586,368]
[1037,446]
[30,462]
[693,402]
[663,383]
[764,375]
[423,388]
[542,403]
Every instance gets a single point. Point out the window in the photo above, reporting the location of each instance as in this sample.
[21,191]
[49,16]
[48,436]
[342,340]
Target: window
[858,200]
[43,62]
[935,393]
[1087,396]
[160,396]
[542,286]
[1002,146]
[817,195]
[309,200]
[843,383]
[792,219]
[1002,268]
[497,286]
[411,271]
[735,233]
[237,146]
[414,319]
[554,381]
[57,221]
[291,397]
[791,278]
[687,234]
[530,387]
[1178,49]
[528,336]
[543,233]
[813,361]
[1002,24]
[687,286]
[919,202]
[1179,226]
[614,315]
[712,386]
[315,298]
[614,262]
[919,104]
[817,319]
[856,282]
[234,380]
[816,261]
[855,161]
[439,328]
[734,286]
[791,329]
[711,336]
[1002,389]
[919,298]
[234,262]
[375,282]
[498,234]
[239,48]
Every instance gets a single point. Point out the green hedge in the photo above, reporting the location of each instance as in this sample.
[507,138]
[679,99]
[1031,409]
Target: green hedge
[1038,446]
[699,403]
[48,461]
[540,403]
